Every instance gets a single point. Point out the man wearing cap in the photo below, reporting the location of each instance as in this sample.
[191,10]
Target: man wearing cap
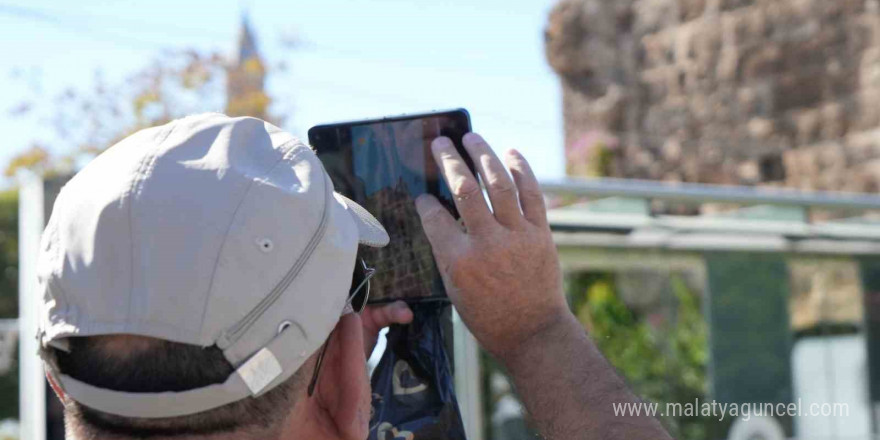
[193,272]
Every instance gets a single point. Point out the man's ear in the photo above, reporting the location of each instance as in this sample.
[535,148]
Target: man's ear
[62,396]
[342,394]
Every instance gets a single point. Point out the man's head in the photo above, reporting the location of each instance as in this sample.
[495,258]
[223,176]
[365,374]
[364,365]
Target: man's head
[190,274]
[339,409]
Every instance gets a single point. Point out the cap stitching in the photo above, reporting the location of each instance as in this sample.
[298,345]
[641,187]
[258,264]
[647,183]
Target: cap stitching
[136,187]
[232,335]
[54,238]
[285,155]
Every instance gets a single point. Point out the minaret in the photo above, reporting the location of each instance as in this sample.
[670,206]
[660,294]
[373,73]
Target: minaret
[246,76]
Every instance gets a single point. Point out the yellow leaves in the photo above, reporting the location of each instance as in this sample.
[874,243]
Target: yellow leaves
[600,292]
[196,74]
[143,100]
[86,122]
[40,161]
[35,159]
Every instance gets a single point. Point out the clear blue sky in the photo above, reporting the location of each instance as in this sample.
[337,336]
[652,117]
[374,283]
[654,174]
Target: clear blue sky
[356,59]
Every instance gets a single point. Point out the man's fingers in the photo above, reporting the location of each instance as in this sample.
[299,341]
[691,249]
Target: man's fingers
[464,186]
[375,318]
[442,230]
[530,196]
[395,313]
[502,191]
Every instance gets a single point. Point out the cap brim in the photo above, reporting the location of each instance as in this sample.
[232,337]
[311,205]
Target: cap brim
[370,231]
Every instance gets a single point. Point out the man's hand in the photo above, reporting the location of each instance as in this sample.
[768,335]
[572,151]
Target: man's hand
[503,273]
[375,318]
[503,276]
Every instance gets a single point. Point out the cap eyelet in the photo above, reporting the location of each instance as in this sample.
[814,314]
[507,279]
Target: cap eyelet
[284,326]
[265,245]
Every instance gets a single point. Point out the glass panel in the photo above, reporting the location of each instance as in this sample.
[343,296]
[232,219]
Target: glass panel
[828,355]
[649,323]
[870,277]
[751,342]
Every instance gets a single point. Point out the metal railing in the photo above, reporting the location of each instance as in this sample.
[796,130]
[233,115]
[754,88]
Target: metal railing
[617,213]
[701,193]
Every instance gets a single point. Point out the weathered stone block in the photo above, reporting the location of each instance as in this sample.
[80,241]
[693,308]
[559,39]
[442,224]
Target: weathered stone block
[759,61]
[690,9]
[725,5]
[709,90]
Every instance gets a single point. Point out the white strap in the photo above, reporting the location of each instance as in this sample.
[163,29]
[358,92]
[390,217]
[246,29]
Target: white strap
[269,367]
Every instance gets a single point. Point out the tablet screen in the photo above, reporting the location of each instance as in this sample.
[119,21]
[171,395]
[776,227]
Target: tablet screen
[384,165]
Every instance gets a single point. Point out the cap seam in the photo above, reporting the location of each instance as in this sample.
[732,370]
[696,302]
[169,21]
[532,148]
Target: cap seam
[232,335]
[67,310]
[54,238]
[122,326]
[285,156]
[136,183]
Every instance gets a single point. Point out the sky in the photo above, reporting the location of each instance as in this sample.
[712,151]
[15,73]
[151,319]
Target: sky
[352,59]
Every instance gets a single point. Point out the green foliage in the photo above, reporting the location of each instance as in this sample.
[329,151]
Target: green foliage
[664,360]
[9,293]
[664,363]
[9,392]
[8,255]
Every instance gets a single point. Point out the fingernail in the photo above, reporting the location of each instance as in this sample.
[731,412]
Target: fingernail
[421,200]
[441,142]
[515,155]
[472,138]
[399,314]
[403,313]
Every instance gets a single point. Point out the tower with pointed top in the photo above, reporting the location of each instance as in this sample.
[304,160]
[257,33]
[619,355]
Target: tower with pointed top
[246,76]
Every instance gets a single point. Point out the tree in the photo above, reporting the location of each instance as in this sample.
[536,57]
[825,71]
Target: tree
[36,159]
[177,83]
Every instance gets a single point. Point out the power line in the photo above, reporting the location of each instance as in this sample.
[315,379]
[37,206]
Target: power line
[348,89]
[336,87]
[55,18]
[100,35]
[63,22]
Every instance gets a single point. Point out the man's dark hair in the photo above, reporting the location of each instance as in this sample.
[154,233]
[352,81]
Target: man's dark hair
[146,365]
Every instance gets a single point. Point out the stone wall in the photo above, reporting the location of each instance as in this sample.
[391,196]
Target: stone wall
[776,92]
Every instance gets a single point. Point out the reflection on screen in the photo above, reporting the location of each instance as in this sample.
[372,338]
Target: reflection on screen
[384,167]
[392,154]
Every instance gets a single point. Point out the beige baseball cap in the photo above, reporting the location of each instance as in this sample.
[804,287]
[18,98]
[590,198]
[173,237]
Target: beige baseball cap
[210,231]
